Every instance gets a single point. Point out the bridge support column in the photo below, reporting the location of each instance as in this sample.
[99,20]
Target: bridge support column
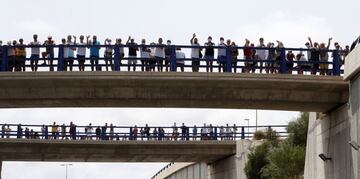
[0,168]
[233,167]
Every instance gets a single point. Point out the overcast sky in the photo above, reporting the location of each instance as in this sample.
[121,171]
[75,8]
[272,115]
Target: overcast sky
[289,21]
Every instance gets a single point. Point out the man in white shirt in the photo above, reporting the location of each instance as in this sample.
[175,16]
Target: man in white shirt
[144,55]
[261,54]
[160,54]
[180,56]
[69,61]
[81,52]
[35,53]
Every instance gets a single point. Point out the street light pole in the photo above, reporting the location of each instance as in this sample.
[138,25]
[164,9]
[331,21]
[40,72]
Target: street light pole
[66,169]
[256,120]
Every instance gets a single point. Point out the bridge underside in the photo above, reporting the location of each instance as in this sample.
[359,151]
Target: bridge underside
[172,90]
[115,151]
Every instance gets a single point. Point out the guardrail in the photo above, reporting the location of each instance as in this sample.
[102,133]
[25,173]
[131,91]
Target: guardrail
[277,60]
[140,133]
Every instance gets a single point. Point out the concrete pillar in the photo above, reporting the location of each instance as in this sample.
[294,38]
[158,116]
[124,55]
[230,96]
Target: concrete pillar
[233,166]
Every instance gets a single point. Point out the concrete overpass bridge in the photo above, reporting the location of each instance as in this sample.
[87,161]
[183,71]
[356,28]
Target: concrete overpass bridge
[172,90]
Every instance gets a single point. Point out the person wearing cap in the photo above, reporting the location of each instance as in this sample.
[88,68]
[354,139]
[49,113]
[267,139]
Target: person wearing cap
[35,53]
[49,52]
[209,54]
[108,55]
[167,55]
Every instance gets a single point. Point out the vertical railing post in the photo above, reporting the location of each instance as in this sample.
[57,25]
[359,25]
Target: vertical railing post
[242,132]
[4,58]
[60,63]
[336,63]
[228,59]
[46,132]
[283,67]
[173,58]
[117,58]
[130,134]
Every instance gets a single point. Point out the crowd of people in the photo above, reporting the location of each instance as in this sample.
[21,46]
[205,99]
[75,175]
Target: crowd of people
[111,132]
[263,56]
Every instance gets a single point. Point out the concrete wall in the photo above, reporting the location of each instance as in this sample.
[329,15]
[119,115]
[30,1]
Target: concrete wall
[194,171]
[329,134]
[233,166]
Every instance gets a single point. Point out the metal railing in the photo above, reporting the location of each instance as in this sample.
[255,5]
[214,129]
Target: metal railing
[277,60]
[139,133]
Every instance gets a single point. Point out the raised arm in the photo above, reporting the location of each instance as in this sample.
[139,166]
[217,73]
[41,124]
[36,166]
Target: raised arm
[127,42]
[87,39]
[329,42]
[192,39]
[310,41]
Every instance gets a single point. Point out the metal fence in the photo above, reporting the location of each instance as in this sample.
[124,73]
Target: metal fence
[277,60]
[139,133]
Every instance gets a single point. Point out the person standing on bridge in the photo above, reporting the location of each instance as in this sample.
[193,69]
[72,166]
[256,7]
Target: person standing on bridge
[70,60]
[135,132]
[195,53]
[180,56]
[248,53]
[167,55]
[63,132]
[209,54]
[72,131]
[160,54]
[222,55]
[234,55]
[315,56]
[81,52]
[261,54]
[3,127]
[49,52]
[108,55]
[94,53]
[147,131]
[103,132]
[144,55]
[183,131]
[111,132]
[194,131]
[324,57]
[132,61]
[20,56]
[35,53]
[98,133]
[54,131]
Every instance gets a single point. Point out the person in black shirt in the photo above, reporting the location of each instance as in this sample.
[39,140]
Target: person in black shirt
[209,54]
[315,56]
[132,61]
[167,55]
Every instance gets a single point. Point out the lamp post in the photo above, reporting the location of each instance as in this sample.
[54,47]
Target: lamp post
[66,169]
[248,121]
[256,120]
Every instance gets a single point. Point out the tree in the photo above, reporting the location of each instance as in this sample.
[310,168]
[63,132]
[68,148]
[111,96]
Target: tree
[285,161]
[257,160]
[298,130]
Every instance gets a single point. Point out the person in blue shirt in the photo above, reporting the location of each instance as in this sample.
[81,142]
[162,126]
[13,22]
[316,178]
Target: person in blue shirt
[94,53]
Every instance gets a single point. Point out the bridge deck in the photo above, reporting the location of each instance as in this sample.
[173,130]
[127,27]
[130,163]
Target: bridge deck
[172,90]
[115,151]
